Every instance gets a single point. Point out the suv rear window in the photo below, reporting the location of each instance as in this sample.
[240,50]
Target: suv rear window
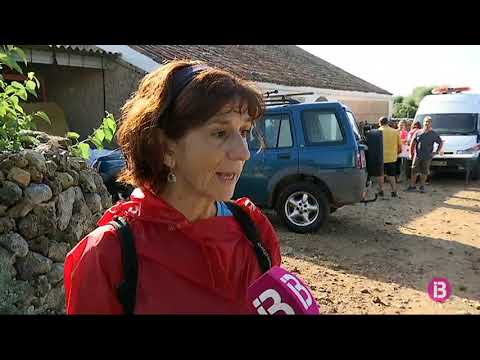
[353,122]
[321,127]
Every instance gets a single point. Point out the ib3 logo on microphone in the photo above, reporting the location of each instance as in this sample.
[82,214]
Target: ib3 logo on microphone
[294,285]
[277,306]
[439,289]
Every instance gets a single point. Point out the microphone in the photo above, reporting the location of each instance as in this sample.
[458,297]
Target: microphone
[279,292]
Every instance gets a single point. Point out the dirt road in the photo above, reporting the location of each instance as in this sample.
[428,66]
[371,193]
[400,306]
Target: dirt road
[379,258]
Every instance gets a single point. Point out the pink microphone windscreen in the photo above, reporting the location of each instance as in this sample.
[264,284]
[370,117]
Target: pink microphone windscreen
[279,292]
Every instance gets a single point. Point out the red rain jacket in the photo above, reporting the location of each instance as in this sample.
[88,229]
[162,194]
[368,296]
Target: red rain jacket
[204,267]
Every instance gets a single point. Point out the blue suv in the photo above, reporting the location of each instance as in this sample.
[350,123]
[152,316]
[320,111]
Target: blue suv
[312,162]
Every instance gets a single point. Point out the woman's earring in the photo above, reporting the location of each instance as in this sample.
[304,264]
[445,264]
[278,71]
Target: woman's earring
[171,178]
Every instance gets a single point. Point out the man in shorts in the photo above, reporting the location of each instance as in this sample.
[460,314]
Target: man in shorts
[392,146]
[421,149]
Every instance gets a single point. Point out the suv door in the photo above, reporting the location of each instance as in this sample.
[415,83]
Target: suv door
[279,154]
[325,140]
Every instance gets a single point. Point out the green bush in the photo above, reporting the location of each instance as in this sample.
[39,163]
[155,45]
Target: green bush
[398,99]
[104,134]
[13,118]
[406,106]
[404,110]
[420,92]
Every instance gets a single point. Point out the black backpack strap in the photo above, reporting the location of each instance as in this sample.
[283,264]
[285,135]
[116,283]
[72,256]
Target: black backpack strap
[251,231]
[127,290]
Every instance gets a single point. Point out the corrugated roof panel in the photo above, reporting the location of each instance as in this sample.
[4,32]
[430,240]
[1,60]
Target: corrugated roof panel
[85,48]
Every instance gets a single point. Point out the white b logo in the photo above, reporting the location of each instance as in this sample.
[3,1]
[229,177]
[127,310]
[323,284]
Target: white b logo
[277,305]
[439,290]
[298,289]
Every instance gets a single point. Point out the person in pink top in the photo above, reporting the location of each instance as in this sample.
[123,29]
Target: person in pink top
[402,127]
[403,156]
[416,125]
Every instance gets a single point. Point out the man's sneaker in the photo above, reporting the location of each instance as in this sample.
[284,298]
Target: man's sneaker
[422,189]
[411,188]
[394,194]
[381,194]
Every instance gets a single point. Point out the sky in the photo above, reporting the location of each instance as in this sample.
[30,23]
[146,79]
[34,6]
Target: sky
[400,68]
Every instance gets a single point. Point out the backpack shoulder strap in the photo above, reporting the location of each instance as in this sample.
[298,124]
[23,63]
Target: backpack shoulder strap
[251,231]
[127,290]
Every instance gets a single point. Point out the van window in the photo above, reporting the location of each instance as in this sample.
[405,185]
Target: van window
[452,124]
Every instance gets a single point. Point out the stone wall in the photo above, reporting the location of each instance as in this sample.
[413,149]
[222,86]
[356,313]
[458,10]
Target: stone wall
[48,202]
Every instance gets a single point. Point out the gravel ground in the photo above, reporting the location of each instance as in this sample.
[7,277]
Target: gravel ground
[379,258]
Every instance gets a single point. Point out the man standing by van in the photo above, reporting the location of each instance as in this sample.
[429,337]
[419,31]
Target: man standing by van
[421,149]
[392,146]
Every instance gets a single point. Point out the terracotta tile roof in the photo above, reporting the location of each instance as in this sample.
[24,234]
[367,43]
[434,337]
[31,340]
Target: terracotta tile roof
[279,64]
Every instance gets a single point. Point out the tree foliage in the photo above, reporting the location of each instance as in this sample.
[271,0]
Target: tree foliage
[406,106]
[13,118]
[104,134]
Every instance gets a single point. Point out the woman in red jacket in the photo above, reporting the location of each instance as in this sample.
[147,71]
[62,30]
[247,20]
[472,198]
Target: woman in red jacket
[183,134]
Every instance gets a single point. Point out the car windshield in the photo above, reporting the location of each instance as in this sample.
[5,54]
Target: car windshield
[452,124]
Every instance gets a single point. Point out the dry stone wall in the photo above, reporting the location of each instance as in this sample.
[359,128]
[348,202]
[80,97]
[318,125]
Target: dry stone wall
[48,202]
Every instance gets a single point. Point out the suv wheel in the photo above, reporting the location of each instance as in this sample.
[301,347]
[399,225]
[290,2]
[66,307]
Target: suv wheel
[303,207]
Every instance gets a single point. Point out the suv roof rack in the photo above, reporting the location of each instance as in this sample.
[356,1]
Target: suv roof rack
[281,99]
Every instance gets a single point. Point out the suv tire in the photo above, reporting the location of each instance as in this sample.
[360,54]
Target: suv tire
[303,207]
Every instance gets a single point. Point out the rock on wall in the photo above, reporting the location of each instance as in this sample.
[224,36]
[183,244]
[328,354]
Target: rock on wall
[48,202]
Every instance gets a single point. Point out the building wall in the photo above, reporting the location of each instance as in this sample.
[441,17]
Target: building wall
[58,125]
[368,110]
[78,91]
[85,94]
[121,81]
[365,106]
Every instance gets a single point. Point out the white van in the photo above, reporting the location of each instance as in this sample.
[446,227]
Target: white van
[456,118]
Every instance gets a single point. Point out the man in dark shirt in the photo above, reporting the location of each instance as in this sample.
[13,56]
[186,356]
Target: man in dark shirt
[421,149]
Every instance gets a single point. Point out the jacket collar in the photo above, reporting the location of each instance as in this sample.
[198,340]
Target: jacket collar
[147,206]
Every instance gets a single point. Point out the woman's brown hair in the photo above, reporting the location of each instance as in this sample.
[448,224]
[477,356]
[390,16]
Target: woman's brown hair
[153,109]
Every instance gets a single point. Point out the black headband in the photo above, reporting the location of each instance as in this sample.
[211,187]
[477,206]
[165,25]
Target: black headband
[180,80]
[183,77]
